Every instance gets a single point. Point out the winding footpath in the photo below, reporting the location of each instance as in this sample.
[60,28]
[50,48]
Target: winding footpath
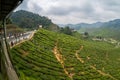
[78,56]
[103,73]
[60,59]
[93,67]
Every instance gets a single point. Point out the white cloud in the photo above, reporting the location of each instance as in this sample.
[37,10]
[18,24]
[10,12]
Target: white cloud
[74,11]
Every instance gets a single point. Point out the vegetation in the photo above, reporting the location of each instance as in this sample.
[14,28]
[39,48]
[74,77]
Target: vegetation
[106,29]
[31,21]
[66,30]
[54,56]
[14,29]
[11,28]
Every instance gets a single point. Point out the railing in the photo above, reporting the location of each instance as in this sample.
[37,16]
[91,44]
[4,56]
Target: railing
[7,70]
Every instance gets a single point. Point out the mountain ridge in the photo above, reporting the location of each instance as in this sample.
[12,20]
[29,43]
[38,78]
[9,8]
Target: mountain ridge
[110,29]
[95,24]
[31,21]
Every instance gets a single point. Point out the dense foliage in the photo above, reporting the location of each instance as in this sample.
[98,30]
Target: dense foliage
[53,56]
[29,20]
[13,29]
[66,30]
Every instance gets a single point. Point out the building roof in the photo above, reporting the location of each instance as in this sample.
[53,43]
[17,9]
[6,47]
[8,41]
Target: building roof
[7,6]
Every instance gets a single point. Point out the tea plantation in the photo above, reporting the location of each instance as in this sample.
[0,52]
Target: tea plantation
[54,56]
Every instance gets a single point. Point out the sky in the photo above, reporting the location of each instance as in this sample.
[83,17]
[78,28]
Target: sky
[74,11]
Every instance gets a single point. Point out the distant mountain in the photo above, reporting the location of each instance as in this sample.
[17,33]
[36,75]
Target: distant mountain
[30,20]
[82,25]
[109,29]
[96,25]
[112,24]
[61,25]
[105,29]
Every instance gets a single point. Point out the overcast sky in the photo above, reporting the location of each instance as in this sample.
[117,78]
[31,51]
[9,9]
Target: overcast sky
[74,11]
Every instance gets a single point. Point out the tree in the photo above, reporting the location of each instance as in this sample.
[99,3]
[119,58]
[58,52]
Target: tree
[29,20]
[86,34]
[66,30]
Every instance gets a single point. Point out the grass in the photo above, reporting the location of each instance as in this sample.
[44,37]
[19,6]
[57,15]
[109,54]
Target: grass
[35,59]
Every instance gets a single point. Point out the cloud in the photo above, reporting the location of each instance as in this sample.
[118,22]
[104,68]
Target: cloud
[74,11]
[24,5]
[30,5]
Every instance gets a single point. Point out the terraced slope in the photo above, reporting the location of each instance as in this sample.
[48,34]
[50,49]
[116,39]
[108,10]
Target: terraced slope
[53,56]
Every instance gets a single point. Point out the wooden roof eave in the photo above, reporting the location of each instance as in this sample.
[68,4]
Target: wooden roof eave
[7,7]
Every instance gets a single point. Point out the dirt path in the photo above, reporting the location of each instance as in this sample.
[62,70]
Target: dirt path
[106,56]
[60,58]
[24,53]
[93,67]
[78,56]
[103,73]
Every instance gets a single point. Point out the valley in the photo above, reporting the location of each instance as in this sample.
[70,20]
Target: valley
[59,40]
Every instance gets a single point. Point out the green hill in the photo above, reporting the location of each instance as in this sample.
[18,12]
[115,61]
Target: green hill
[53,56]
[109,29]
[31,21]
[105,29]
[106,32]
[11,28]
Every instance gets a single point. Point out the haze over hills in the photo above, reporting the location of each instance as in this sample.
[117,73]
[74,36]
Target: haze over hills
[104,29]
[112,23]
[79,25]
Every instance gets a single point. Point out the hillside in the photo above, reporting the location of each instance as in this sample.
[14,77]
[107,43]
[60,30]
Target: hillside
[13,29]
[53,56]
[30,21]
[109,29]
[82,25]
[105,29]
